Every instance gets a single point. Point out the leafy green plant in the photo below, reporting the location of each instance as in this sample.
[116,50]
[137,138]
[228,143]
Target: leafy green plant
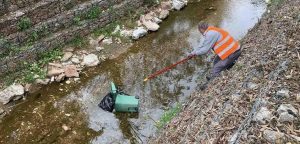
[33,37]
[93,12]
[107,30]
[168,116]
[45,58]
[151,2]
[24,23]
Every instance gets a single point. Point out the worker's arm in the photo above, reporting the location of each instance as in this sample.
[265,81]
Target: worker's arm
[210,39]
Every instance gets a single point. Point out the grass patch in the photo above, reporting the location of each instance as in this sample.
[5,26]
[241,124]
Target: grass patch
[107,30]
[168,116]
[78,42]
[24,23]
[36,71]
[93,13]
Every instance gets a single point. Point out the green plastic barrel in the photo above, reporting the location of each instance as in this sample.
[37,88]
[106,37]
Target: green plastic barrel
[124,103]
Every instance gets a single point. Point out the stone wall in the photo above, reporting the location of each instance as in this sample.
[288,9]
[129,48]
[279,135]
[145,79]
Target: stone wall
[61,27]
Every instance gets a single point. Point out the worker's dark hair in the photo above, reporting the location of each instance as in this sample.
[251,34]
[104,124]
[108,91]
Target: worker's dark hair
[203,25]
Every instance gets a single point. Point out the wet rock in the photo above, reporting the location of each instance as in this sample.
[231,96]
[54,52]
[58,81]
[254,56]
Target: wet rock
[272,136]
[99,48]
[67,56]
[27,87]
[52,79]
[42,82]
[71,71]
[163,14]
[263,116]
[138,33]
[179,4]
[91,60]
[54,71]
[166,5]
[157,20]
[287,108]
[151,25]
[286,117]
[65,127]
[107,41]
[60,77]
[68,82]
[1,111]
[11,92]
[75,60]
[76,79]
[284,93]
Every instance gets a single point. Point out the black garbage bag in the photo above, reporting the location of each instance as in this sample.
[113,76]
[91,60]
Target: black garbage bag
[107,103]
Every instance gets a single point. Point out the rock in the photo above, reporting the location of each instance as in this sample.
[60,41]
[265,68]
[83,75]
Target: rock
[284,93]
[126,33]
[60,77]
[107,41]
[138,33]
[151,25]
[139,23]
[100,38]
[117,29]
[157,20]
[163,14]
[65,127]
[75,60]
[287,108]
[58,65]
[67,56]
[179,4]
[71,71]
[27,87]
[298,97]
[55,71]
[236,97]
[251,85]
[52,79]
[99,48]
[91,60]
[166,5]
[68,82]
[42,82]
[272,136]
[1,111]
[69,49]
[76,79]
[11,92]
[286,117]
[263,116]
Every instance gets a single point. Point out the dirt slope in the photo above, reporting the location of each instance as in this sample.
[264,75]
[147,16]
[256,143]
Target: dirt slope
[266,76]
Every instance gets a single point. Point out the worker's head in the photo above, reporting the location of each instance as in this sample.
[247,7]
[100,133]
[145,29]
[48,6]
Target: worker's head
[202,27]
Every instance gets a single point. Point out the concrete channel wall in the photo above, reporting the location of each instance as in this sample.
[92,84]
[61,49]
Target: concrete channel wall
[57,17]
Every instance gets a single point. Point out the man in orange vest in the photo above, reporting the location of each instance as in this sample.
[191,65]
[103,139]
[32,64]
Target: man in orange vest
[227,49]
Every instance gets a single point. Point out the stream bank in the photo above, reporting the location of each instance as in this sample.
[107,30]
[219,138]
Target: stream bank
[258,100]
[54,112]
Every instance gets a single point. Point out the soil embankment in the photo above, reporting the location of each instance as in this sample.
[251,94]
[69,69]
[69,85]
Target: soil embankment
[258,100]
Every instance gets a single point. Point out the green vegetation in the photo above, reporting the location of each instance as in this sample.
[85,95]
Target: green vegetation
[78,42]
[168,116]
[151,2]
[93,13]
[77,20]
[24,23]
[107,30]
[35,70]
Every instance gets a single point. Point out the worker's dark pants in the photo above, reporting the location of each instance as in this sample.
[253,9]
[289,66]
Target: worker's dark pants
[220,65]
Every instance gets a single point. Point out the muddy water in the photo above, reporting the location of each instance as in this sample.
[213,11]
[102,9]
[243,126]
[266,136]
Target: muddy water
[41,117]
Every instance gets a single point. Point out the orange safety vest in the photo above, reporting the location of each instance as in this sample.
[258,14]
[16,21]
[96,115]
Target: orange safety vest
[226,45]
